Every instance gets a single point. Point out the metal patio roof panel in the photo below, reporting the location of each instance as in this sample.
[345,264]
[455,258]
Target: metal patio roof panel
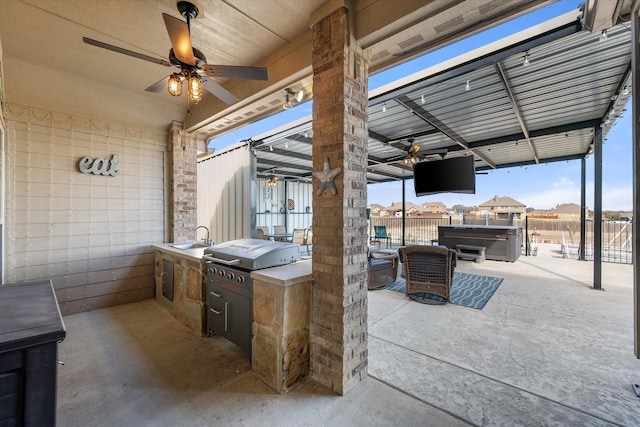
[568,85]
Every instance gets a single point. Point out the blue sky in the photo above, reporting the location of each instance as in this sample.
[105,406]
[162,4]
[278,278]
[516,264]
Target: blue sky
[539,186]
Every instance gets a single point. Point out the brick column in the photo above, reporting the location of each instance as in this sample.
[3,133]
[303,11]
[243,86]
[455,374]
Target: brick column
[340,133]
[182,183]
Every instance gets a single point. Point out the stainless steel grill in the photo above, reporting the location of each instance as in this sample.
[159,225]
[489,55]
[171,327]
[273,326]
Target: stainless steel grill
[230,287]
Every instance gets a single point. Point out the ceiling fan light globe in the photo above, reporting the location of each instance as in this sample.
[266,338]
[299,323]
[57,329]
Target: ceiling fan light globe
[174,85]
[195,89]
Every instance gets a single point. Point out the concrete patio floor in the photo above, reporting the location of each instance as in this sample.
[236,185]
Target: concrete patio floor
[545,350]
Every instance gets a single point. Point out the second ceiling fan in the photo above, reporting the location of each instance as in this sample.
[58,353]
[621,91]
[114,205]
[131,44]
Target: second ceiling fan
[191,61]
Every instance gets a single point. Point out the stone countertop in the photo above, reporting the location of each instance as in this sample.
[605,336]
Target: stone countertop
[192,254]
[285,275]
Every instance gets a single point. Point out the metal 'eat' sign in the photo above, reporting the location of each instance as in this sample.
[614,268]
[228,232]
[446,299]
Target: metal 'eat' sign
[99,166]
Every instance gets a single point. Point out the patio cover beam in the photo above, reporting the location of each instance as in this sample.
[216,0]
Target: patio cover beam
[532,162]
[516,108]
[419,111]
[537,133]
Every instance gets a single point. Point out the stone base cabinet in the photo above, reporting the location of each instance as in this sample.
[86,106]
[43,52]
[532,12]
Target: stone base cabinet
[181,284]
[281,320]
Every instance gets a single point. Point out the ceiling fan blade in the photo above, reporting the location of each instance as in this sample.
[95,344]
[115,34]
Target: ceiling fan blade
[180,39]
[235,72]
[218,90]
[113,48]
[413,149]
[159,86]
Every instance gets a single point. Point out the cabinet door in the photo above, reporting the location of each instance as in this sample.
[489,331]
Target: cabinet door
[239,318]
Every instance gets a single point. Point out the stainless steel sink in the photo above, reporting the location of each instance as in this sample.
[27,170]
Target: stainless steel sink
[188,245]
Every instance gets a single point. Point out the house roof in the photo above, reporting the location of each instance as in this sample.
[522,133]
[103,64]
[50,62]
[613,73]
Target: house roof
[407,206]
[429,204]
[502,201]
[512,115]
[567,208]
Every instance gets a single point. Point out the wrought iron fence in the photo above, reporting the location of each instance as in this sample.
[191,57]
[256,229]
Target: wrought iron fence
[617,238]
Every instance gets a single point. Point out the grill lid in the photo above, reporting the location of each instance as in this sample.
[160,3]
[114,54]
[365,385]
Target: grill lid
[253,254]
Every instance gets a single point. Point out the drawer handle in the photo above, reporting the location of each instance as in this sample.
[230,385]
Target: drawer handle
[215,311]
[217,295]
[226,317]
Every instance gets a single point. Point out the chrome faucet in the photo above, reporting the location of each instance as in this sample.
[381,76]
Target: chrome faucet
[206,240]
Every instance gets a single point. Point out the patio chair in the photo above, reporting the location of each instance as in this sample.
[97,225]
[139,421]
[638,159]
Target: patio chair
[261,232]
[298,236]
[383,269]
[381,233]
[280,229]
[428,270]
[308,241]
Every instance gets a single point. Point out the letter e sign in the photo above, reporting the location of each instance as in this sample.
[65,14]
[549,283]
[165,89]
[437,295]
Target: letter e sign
[99,166]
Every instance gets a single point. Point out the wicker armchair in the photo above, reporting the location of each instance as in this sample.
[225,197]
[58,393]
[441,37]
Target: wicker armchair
[383,269]
[428,270]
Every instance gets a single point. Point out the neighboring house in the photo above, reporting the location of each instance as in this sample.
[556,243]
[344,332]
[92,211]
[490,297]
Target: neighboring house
[375,209]
[503,207]
[570,211]
[435,207]
[395,209]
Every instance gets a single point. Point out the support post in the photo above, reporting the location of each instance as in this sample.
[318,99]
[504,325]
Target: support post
[635,103]
[597,209]
[583,207]
[338,332]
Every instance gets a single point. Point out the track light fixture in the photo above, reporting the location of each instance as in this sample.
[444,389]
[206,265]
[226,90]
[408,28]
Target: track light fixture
[422,100]
[289,94]
[468,86]
[625,91]
[603,35]
[384,107]
[525,60]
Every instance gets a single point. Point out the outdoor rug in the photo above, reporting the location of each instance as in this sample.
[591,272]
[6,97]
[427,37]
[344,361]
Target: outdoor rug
[468,290]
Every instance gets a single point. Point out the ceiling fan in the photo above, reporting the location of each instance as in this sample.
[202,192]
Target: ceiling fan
[414,154]
[190,61]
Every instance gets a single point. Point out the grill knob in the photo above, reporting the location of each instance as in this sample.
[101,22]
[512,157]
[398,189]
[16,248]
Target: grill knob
[240,279]
[213,270]
[220,272]
[230,275]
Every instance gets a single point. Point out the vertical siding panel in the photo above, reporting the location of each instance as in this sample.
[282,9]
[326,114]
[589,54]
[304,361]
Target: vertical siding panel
[225,205]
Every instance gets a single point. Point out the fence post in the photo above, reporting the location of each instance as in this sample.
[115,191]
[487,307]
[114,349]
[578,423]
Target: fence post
[526,240]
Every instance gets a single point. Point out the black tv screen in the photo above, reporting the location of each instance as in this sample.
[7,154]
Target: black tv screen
[455,175]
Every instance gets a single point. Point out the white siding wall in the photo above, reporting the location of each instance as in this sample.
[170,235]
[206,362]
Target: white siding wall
[276,201]
[89,234]
[225,190]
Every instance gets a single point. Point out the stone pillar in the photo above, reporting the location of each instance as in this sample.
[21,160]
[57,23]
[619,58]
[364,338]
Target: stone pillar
[340,134]
[182,197]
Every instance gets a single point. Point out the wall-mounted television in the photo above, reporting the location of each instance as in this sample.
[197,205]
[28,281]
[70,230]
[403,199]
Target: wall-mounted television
[454,175]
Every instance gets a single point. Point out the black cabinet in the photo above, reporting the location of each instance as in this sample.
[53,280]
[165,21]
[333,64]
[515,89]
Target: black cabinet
[30,329]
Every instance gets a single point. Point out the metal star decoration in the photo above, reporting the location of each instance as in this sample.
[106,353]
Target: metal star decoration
[326,176]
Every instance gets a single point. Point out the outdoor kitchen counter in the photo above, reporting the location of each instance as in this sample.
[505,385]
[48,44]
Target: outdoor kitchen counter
[181,284]
[285,275]
[281,320]
[193,254]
